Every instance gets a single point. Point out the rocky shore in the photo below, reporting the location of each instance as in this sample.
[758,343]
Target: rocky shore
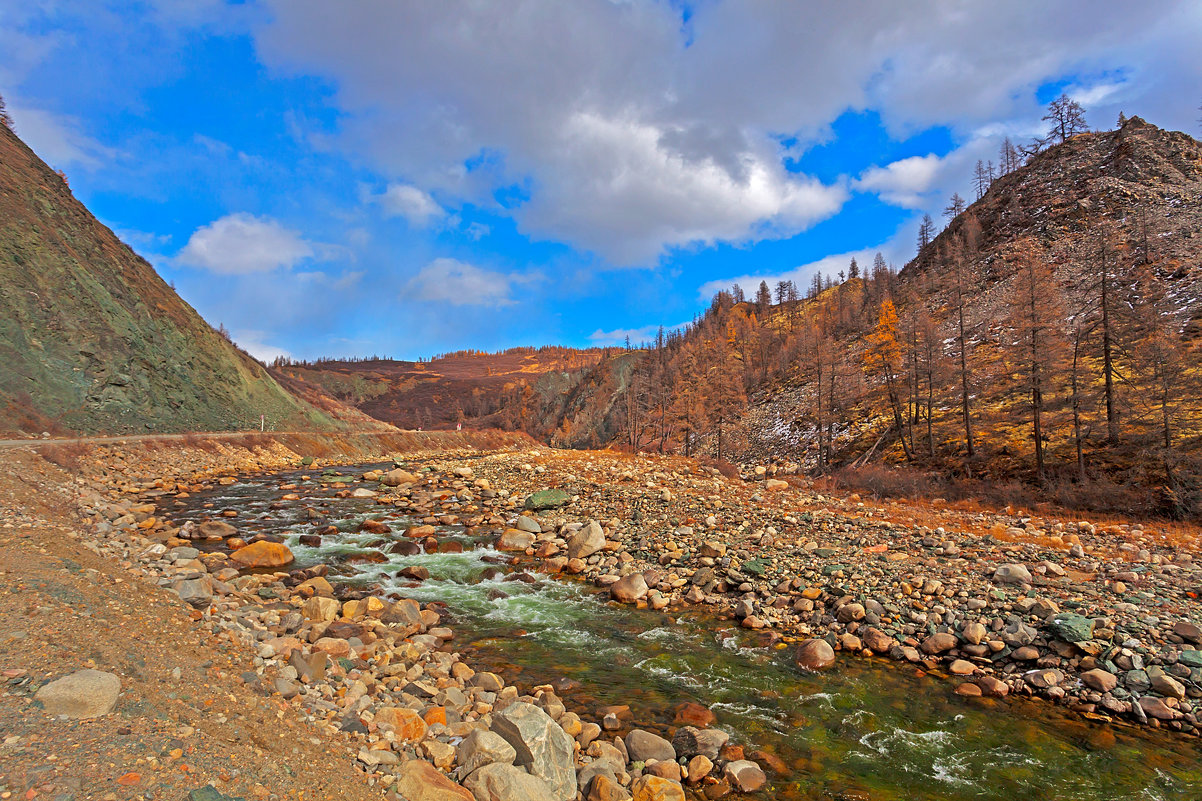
[1102,620]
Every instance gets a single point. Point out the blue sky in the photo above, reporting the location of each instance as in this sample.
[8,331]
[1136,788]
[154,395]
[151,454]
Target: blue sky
[404,178]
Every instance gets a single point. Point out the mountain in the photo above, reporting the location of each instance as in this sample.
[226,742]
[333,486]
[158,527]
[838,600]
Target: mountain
[1067,300]
[93,340]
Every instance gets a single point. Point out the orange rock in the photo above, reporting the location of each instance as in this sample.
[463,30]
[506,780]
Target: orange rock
[435,714]
[129,779]
[407,724]
[263,554]
[693,714]
[419,780]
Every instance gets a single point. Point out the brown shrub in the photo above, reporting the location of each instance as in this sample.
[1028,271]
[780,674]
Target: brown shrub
[722,466]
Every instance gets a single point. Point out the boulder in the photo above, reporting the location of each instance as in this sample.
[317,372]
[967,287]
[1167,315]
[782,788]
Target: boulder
[263,554]
[483,747]
[395,478]
[543,748]
[547,499]
[514,540]
[656,788]
[418,780]
[775,485]
[745,776]
[216,530]
[814,654]
[1012,574]
[196,592]
[876,640]
[1071,628]
[320,608]
[1101,680]
[603,787]
[689,742]
[587,541]
[310,667]
[938,643]
[83,694]
[643,745]
[629,588]
[408,724]
[499,782]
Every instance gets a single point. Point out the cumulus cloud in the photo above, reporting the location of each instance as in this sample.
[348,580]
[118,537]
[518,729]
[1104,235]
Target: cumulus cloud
[637,336]
[461,284]
[628,130]
[416,206]
[241,243]
[896,251]
[903,182]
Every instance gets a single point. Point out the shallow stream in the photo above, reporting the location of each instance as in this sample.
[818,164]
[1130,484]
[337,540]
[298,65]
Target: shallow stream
[867,729]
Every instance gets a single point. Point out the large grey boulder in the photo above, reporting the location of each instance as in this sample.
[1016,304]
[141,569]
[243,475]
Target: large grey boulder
[543,748]
[497,782]
[1012,574]
[587,541]
[83,694]
[629,588]
[689,742]
[483,747]
[643,745]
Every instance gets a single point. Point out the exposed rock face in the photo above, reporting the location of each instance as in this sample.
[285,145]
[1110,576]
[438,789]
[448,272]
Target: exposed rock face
[83,694]
[543,748]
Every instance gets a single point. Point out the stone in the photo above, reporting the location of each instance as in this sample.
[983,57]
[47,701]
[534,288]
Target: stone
[321,609]
[993,686]
[1192,659]
[195,592]
[395,478]
[814,654]
[542,747]
[406,723]
[418,780]
[1012,574]
[689,742]
[849,613]
[974,633]
[210,793]
[1168,686]
[938,643]
[1101,680]
[1071,628]
[642,745]
[604,788]
[547,499]
[587,541]
[699,767]
[527,524]
[483,747]
[500,782]
[656,788]
[961,667]
[775,485]
[1188,632]
[263,554]
[629,588]
[309,668]
[1155,707]
[216,530]
[876,640]
[689,713]
[513,539]
[83,694]
[745,775]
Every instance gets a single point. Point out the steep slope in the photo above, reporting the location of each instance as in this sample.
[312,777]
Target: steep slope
[93,340]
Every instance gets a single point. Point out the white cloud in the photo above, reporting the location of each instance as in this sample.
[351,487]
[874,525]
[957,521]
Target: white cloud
[59,139]
[896,251]
[461,284]
[637,336]
[901,183]
[241,243]
[255,343]
[625,130]
[416,206]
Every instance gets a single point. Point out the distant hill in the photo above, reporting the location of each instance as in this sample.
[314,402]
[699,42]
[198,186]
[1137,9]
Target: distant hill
[93,340]
[478,389]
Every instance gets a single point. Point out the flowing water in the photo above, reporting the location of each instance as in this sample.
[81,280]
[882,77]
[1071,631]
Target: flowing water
[864,730]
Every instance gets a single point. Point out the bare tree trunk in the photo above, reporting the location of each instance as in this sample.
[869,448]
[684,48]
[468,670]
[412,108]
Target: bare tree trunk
[960,339]
[1112,418]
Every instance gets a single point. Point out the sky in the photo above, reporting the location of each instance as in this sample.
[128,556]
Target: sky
[404,178]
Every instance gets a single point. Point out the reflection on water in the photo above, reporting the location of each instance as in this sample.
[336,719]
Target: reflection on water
[867,729]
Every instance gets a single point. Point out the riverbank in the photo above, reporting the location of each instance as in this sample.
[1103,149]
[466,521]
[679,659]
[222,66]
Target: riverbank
[791,562]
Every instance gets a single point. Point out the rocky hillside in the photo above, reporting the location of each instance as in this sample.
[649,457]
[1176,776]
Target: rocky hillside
[93,340]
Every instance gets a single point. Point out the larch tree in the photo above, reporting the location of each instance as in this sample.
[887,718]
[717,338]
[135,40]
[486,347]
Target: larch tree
[926,232]
[763,300]
[882,356]
[1036,313]
[955,207]
[1066,118]
[981,179]
[5,119]
[1159,360]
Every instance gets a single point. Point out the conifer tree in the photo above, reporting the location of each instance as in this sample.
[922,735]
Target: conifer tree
[882,356]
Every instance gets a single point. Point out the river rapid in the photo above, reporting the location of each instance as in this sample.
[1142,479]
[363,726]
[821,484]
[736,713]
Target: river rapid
[867,729]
